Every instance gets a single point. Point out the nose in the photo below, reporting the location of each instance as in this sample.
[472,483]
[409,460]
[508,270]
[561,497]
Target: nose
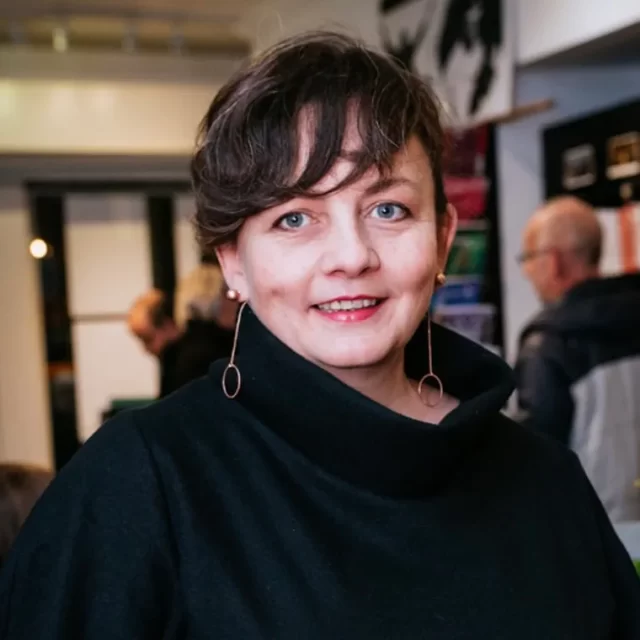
[349,251]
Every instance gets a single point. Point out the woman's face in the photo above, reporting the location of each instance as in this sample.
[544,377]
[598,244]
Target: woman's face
[345,279]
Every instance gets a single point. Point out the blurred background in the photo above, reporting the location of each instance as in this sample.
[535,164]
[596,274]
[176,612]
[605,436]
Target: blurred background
[99,105]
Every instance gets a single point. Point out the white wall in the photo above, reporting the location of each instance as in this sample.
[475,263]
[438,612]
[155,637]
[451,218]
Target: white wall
[111,111]
[576,92]
[25,433]
[100,117]
[88,103]
[546,27]
[540,27]
[108,265]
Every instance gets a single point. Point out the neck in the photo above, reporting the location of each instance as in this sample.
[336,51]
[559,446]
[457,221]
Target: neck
[381,382]
[387,384]
[578,277]
[358,439]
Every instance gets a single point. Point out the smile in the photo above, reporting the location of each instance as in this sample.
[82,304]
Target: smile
[349,305]
[349,310]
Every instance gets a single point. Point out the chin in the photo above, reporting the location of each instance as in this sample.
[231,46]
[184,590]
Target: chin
[353,357]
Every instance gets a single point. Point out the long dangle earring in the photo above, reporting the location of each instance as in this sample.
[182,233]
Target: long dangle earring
[232,294]
[430,374]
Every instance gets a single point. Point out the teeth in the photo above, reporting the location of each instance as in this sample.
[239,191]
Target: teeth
[348,305]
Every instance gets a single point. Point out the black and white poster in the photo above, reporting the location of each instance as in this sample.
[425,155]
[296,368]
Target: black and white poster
[462,46]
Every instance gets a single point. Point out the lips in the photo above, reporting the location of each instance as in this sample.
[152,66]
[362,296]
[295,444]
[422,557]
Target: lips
[348,304]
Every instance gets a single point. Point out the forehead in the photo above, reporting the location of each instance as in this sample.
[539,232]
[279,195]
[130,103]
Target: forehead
[411,162]
[531,232]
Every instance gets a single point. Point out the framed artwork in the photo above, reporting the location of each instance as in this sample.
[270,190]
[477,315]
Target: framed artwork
[579,167]
[623,156]
[463,48]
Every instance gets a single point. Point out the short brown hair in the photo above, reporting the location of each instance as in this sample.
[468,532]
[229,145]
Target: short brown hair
[248,141]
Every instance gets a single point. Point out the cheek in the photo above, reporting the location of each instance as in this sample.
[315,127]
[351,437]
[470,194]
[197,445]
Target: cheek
[412,262]
[541,272]
[275,272]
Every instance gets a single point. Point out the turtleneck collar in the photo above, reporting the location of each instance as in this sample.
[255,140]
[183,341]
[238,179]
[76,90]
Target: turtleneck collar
[355,438]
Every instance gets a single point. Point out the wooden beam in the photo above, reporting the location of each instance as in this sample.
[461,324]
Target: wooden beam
[523,111]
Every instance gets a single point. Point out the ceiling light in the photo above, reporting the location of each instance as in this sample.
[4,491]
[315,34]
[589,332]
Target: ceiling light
[38,248]
[60,39]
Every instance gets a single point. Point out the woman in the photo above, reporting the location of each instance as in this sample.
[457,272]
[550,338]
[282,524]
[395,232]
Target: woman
[348,473]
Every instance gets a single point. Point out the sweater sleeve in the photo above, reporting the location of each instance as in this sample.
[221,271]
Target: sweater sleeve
[623,578]
[625,583]
[96,558]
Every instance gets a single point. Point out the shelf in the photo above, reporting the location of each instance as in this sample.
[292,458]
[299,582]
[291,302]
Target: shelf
[473,225]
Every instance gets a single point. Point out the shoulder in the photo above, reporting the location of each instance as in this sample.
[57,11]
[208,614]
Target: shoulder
[541,342]
[542,327]
[183,412]
[544,471]
[531,456]
[113,474]
[108,491]
[196,420]
[115,450]
[120,459]
[525,442]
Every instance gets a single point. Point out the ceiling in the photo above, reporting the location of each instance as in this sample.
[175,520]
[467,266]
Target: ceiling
[203,9]
[194,27]
[618,47]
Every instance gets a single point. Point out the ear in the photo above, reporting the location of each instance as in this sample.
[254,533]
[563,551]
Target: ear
[447,228]
[558,264]
[231,266]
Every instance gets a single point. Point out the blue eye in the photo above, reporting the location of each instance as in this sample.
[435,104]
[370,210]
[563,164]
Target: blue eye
[292,221]
[390,211]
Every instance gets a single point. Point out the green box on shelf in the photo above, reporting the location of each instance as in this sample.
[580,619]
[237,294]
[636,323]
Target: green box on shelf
[468,254]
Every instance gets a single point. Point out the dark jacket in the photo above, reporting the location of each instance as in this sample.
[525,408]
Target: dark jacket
[303,510]
[578,379]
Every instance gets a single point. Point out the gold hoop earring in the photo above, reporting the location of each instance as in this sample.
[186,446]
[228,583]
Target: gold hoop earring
[430,374]
[232,365]
[441,278]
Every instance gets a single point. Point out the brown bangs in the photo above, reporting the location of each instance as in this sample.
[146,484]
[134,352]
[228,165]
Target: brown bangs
[247,159]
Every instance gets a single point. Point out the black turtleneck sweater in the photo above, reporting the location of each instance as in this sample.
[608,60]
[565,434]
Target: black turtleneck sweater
[303,510]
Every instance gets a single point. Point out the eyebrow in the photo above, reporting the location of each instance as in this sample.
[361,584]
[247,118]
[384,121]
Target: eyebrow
[386,183]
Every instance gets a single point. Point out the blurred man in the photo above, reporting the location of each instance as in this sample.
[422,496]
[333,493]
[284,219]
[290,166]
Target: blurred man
[578,371]
[151,320]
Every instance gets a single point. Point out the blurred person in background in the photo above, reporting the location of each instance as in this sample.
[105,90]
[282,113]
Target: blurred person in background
[347,473]
[151,321]
[578,369]
[198,333]
[206,317]
[20,488]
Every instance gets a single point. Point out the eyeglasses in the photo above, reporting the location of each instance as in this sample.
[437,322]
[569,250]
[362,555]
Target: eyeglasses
[526,256]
